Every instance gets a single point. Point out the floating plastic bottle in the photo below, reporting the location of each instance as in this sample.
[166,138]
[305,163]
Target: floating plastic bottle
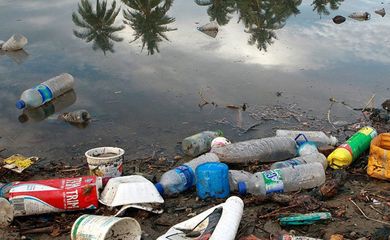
[288,179]
[355,146]
[79,116]
[266,150]
[199,143]
[305,159]
[14,43]
[183,177]
[46,91]
[318,137]
[212,180]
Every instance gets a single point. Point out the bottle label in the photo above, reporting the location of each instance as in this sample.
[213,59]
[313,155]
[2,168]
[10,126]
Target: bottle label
[368,131]
[293,162]
[273,181]
[45,92]
[186,175]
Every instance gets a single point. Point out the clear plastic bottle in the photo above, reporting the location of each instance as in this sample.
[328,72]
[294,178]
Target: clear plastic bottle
[199,143]
[46,91]
[183,177]
[270,149]
[237,177]
[305,159]
[318,137]
[288,179]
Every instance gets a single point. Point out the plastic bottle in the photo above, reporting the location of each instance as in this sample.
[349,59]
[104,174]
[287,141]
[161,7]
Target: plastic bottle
[14,43]
[46,91]
[270,149]
[346,153]
[318,137]
[199,143]
[212,180]
[289,179]
[238,177]
[183,177]
[305,159]
[79,116]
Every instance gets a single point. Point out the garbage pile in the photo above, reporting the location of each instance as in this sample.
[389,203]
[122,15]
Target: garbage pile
[294,175]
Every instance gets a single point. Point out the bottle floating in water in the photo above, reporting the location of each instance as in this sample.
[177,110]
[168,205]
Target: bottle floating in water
[199,143]
[318,137]
[183,177]
[265,150]
[306,159]
[46,91]
[288,179]
[79,116]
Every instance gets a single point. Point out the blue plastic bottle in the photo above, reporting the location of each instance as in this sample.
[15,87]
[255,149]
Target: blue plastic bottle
[183,177]
[212,180]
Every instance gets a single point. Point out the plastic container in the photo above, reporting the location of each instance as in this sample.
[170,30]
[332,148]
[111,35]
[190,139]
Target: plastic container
[183,177]
[105,161]
[219,142]
[264,150]
[79,116]
[355,146]
[379,159]
[285,180]
[14,43]
[318,137]
[212,180]
[46,91]
[304,219]
[105,228]
[199,143]
[305,159]
[238,177]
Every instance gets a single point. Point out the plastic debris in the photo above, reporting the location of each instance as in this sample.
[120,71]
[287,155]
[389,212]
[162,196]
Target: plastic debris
[18,163]
[304,219]
[199,143]
[338,19]
[210,29]
[292,237]
[318,137]
[79,116]
[14,43]
[105,161]
[379,158]
[219,142]
[128,190]
[381,12]
[226,228]
[360,16]
[212,180]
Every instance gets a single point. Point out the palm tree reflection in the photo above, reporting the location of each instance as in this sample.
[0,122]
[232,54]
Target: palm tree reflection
[149,20]
[97,25]
[320,6]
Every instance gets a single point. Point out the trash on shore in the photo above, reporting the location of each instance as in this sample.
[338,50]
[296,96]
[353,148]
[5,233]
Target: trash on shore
[293,237]
[105,161]
[210,29]
[360,16]
[18,163]
[219,142]
[304,219]
[93,227]
[210,224]
[381,12]
[199,143]
[338,19]
[78,117]
[6,213]
[14,43]
[128,190]
[379,157]
[317,137]
[212,180]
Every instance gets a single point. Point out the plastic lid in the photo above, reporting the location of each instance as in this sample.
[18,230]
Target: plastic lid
[20,104]
[333,141]
[160,188]
[242,188]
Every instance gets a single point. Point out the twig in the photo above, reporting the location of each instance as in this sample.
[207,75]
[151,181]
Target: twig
[277,211]
[205,102]
[376,210]
[369,101]
[367,217]
[38,230]
[330,107]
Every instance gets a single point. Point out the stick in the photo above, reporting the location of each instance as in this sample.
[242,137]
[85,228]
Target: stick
[369,101]
[376,210]
[277,211]
[38,230]
[330,107]
[368,218]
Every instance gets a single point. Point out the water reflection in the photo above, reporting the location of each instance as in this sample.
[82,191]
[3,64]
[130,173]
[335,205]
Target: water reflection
[48,109]
[17,56]
[149,20]
[98,26]
[320,6]
[219,10]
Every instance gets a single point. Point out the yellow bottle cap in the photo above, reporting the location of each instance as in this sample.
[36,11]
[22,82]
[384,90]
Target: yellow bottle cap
[339,158]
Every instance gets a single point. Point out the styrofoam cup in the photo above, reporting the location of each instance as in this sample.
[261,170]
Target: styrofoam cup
[93,227]
[105,161]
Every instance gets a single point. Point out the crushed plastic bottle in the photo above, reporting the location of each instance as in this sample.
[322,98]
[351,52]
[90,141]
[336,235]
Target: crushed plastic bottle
[289,179]
[199,143]
[305,159]
[318,137]
[46,91]
[265,150]
[237,177]
[355,146]
[80,116]
[14,43]
[183,177]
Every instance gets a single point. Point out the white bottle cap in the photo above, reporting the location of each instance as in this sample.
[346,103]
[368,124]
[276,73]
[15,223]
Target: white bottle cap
[333,141]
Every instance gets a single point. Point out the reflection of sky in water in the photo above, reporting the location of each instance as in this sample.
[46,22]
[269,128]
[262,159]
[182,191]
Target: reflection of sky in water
[311,60]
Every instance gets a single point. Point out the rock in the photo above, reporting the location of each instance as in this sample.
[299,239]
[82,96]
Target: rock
[386,105]
[337,237]
[272,227]
[338,19]
[326,150]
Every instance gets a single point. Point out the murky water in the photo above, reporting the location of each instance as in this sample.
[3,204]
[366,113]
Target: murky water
[140,71]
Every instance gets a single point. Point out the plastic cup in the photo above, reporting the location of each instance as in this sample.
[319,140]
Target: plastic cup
[105,161]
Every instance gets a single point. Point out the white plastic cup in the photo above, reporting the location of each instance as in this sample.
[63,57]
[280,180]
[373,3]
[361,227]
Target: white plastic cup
[16,42]
[92,227]
[105,161]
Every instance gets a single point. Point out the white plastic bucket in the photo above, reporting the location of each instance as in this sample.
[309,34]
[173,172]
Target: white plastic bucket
[105,161]
[92,227]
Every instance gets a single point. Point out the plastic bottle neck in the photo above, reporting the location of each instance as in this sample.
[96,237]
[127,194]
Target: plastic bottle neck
[20,104]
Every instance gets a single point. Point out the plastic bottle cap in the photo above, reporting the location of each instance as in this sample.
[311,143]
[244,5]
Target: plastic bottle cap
[20,104]
[160,188]
[242,188]
[333,141]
